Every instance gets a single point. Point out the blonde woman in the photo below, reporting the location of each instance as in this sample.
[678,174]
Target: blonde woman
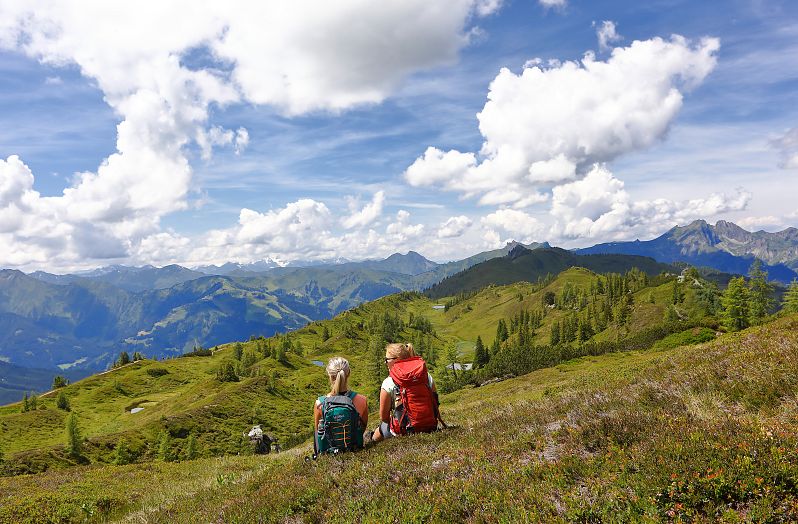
[408,398]
[341,416]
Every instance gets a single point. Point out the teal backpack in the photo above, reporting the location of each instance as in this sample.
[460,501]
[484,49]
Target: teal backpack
[339,427]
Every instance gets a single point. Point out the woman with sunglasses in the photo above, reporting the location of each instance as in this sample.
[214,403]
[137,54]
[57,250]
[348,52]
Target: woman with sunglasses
[395,418]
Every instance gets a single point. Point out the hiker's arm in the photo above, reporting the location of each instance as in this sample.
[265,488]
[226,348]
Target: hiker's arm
[316,415]
[385,406]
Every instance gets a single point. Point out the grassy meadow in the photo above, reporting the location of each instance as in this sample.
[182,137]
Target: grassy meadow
[699,433]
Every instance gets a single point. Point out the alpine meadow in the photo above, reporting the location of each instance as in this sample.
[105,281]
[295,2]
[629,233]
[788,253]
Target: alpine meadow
[482,261]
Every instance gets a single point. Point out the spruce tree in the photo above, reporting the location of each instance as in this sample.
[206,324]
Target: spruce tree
[59,382]
[165,452]
[74,445]
[501,331]
[238,350]
[790,303]
[122,453]
[227,372]
[325,334]
[25,403]
[677,295]
[480,354]
[451,356]
[191,447]
[554,338]
[249,359]
[735,302]
[62,402]
[760,292]
[33,402]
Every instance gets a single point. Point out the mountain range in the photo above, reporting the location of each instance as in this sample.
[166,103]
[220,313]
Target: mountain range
[725,246]
[78,323]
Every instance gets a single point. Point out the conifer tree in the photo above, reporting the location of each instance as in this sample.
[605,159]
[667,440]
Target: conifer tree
[165,452]
[191,447]
[325,334]
[791,298]
[760,292]
[480,354]
[238,350]
[122,453]
[74,445]
[62,402]
[249,359]
[501,331]
[124,358]
[377,361]
[25,403]
[677,296]
[227,372]
[33,402]
[735,302]
[59,382]
[451,356]
[554,338]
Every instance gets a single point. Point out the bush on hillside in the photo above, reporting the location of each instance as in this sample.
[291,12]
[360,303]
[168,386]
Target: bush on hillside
[227,372]
[62,402]
[157,372]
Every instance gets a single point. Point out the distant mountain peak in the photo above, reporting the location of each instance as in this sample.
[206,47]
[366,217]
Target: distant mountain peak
[517,250]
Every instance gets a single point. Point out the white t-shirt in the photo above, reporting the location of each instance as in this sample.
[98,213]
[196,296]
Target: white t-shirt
[389,386]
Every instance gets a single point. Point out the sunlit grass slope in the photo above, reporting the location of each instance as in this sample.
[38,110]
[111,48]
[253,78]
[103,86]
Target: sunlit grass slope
[183,396]
[703,433]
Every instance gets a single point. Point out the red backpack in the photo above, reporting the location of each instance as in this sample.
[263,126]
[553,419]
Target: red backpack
[417,405]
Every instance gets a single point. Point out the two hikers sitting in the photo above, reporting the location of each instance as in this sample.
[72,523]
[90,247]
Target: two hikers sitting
[408,403]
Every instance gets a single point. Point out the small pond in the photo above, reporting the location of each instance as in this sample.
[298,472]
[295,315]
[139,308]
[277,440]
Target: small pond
[136,410]
[318,363]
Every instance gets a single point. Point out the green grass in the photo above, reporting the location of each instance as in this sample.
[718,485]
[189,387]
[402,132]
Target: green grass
[702,433]
[189,399]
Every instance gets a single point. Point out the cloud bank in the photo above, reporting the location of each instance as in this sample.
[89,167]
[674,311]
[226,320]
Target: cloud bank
[301,58]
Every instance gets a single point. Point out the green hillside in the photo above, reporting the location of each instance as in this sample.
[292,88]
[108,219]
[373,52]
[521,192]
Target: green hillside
[527,265]
[277,379]
[701,433]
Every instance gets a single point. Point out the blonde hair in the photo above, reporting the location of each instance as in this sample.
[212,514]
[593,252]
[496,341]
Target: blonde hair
[399,351]
[338,373]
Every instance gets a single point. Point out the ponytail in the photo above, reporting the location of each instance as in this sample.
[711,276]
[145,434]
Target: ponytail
[338,373]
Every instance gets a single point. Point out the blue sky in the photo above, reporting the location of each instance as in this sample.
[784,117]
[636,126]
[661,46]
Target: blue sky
[339,113]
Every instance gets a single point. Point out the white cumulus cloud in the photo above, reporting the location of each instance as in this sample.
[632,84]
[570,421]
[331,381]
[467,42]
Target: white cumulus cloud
[297,58]
[366,215]
[598,206]
[454,227]
[550,124]
[607,34]
[516,224]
